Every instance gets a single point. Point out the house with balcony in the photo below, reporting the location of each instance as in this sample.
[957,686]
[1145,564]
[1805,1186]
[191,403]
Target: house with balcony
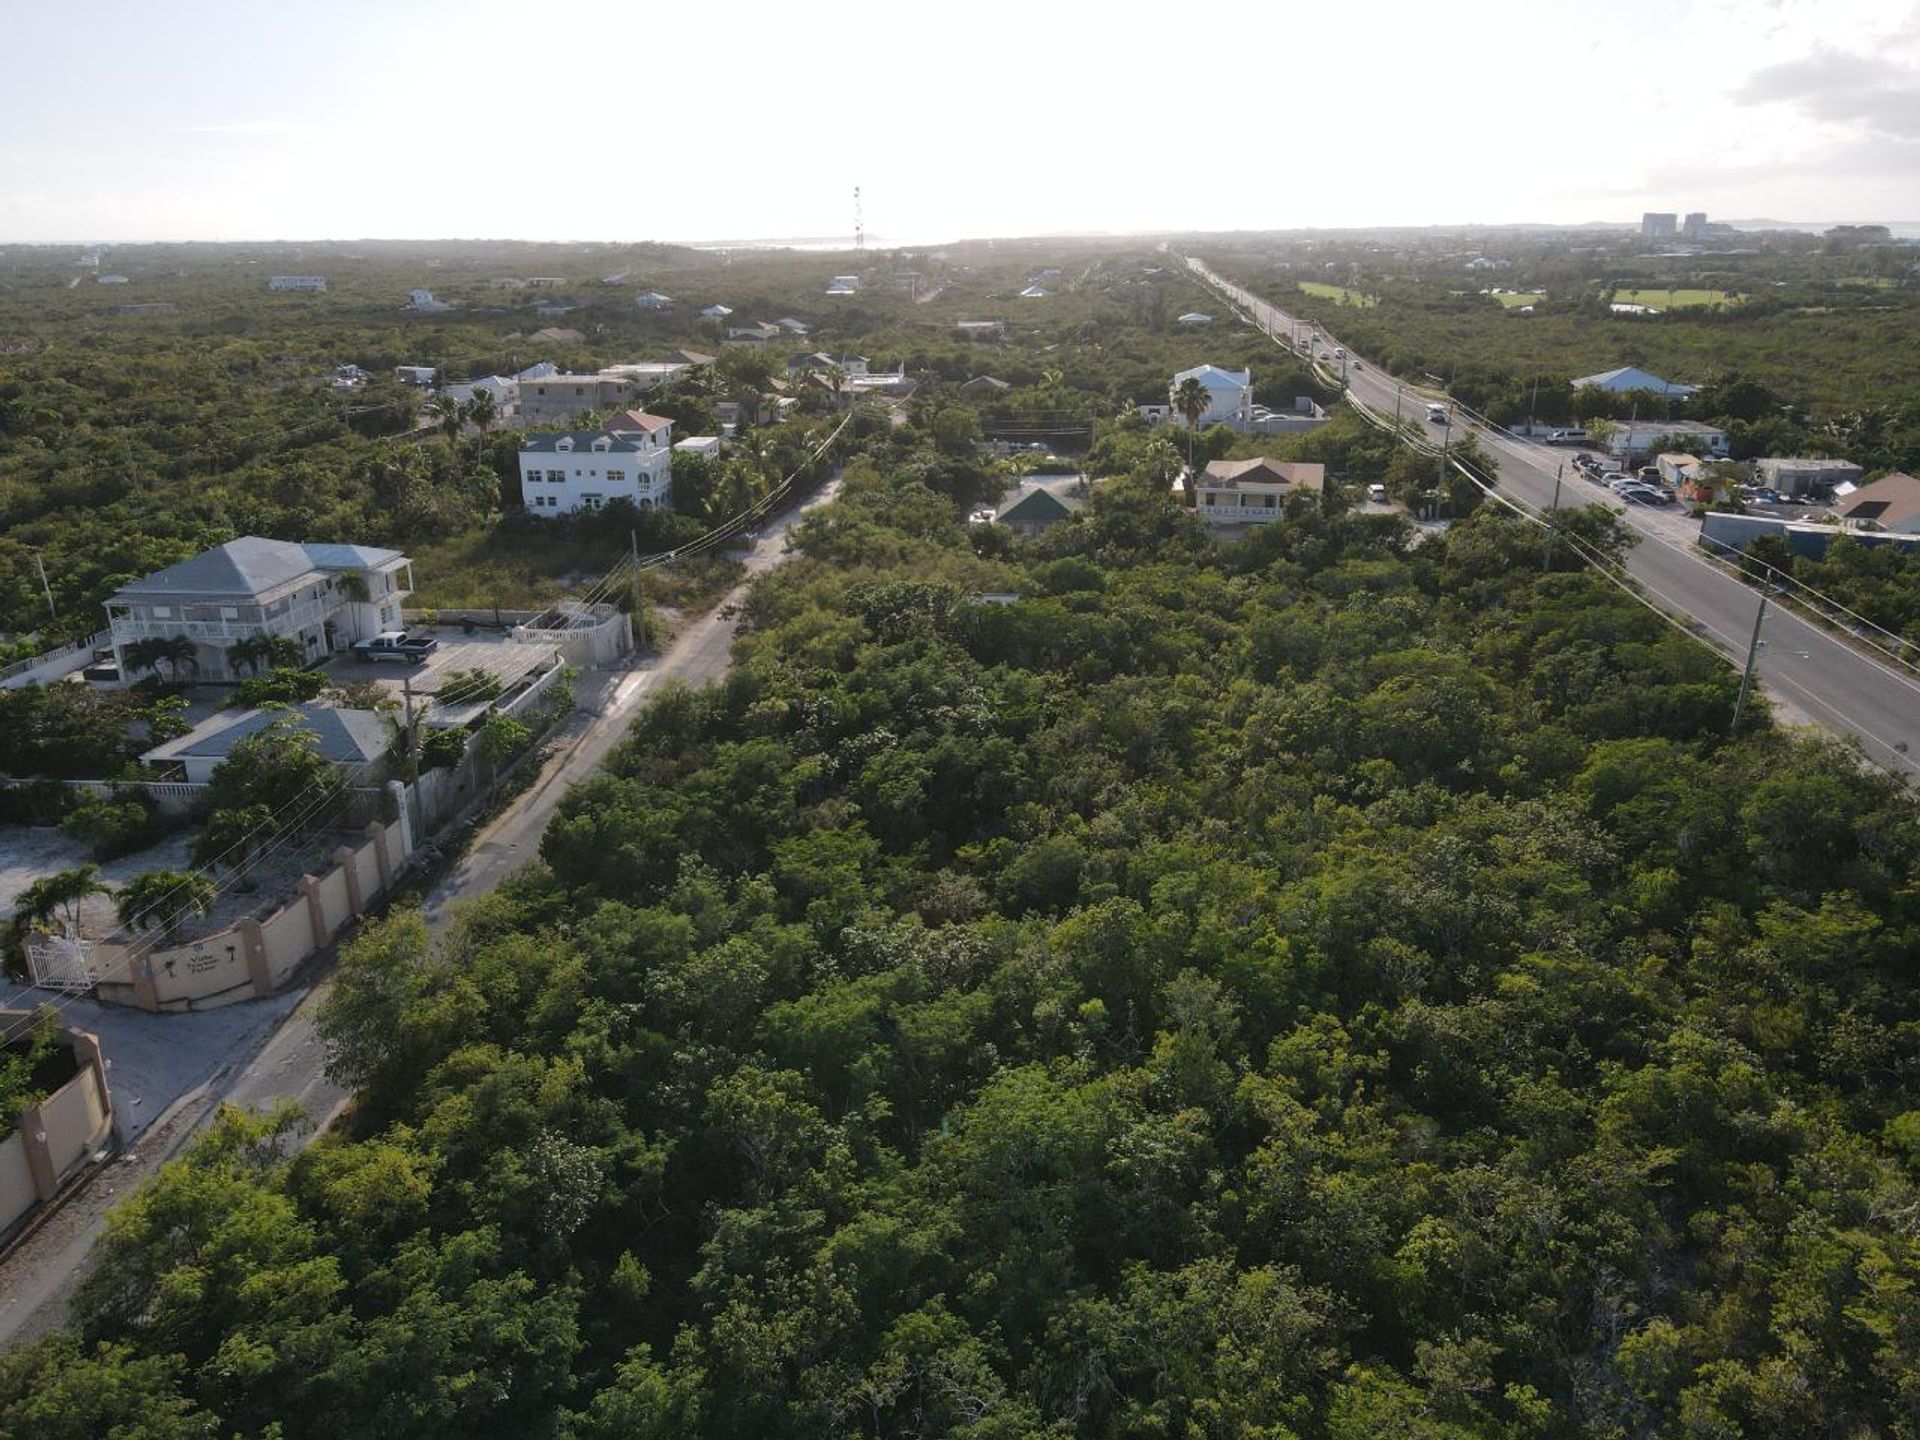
[569,472]
[324,597]
[1253,492]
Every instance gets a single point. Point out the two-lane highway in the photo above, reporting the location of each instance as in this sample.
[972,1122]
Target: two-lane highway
[1809,673]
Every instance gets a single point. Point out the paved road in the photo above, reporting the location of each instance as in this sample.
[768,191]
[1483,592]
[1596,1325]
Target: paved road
[1809,674]
[37,1280]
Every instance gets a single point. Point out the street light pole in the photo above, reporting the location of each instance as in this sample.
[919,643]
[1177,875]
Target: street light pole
[1746,676]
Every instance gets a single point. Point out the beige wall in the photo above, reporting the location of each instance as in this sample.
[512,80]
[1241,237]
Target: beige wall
[333,899]
[17,1195]
[201,971]
[366,869]
[288,935]
[76,1120]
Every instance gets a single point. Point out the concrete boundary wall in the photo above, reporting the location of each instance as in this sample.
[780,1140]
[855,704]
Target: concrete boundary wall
[51,1141]
[255,958]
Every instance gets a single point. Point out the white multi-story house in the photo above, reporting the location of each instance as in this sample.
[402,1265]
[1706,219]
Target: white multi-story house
[323,596]
[297,282]
[1229,395]
[422,301]
[569,471]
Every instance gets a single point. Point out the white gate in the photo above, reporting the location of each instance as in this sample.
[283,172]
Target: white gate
[61,962]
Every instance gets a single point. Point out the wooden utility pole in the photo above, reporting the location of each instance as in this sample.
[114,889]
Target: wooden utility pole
[1753,656]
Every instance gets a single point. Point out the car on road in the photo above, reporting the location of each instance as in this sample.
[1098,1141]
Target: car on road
[1567,437]
[396,645]
[1377,494]
[1644,495]
[1436,415]
[1358,366]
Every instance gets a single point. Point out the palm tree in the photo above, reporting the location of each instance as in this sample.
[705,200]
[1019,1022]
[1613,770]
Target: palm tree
[446,412]
[1191,400]
[837,380]
[144,654]
[483,410]
[244,654]
[61,892]
[163,898]
[182,653]
[354,586]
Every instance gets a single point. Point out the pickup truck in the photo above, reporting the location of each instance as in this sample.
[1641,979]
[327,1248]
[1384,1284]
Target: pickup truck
[396,645]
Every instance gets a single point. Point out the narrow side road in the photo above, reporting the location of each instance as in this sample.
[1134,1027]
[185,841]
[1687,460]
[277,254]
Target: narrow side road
[38,1280]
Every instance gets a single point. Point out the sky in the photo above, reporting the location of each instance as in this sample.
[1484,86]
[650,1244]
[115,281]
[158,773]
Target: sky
[346,119]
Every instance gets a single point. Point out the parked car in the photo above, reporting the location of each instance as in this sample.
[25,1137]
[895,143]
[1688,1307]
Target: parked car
[396,645]
[1644,495]
[1377,494]
[1567,437]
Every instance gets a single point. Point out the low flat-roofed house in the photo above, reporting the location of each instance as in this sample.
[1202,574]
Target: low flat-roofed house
[325,597]
[1632,377]
[705,446]
[557,335]
[1891,503]
[793,326]
[1677,469]
[716,312]
[844,285]
[351,738]
[1799,475]
[1628,439]
[653,300]
[1252,492]
[756,334]
[416,374]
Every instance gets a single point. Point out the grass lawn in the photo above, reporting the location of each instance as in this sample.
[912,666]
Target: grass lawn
[1676,299]
[1513,300]
[1339,293]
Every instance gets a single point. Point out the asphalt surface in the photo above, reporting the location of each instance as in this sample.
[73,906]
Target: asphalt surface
[1808,673]
[38,1278]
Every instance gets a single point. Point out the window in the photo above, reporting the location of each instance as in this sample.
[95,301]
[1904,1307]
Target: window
[229,612]
[617,477]
[1268,502]
[163,612]
[556,477]
[590,501]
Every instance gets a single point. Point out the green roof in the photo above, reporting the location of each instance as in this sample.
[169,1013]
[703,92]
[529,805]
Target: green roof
[1036,506]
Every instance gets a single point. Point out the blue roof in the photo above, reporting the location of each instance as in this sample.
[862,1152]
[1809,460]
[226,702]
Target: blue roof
[252,566]
[346,737]
[583,443]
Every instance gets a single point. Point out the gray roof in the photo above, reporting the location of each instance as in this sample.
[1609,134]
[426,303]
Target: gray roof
[347,737]
[252,566]
[583,442]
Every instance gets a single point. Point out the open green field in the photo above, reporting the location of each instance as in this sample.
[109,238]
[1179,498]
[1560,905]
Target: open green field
[1514,299]
[1339,293]
[1676,299]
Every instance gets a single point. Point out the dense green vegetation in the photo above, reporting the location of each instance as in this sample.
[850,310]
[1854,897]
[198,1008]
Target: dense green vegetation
[1817,356]
[1321,987]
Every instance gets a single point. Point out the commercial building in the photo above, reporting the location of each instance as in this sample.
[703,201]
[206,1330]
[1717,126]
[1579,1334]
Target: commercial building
[325,597]
[1800,476]
[578,471]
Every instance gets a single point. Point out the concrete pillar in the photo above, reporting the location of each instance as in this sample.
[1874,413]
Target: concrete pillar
[253,944]
[316,916]
[33,1134]
[401,794]
[377,833]
[146,994]
[344,858]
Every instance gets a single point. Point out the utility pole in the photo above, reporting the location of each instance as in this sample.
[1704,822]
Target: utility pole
[1753,656]
[1553,518]
[1446,438]
[52,613]
[413,731]
[1533,406]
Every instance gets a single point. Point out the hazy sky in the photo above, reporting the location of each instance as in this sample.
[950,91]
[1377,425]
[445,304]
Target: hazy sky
[207,119]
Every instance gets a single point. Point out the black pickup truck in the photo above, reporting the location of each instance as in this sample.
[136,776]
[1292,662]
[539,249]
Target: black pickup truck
[396,645]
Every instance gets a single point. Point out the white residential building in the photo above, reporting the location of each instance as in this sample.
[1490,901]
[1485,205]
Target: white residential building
[1229,395]
[423,302]
[707,447]
[504,389]
[573,471]
[716,312]
[323,596]
[416,374]
[297,282]
[1630,378]
[844,285]
[1637,437]
[653,300]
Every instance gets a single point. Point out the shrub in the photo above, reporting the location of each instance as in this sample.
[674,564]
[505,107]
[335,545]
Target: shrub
[278,687]
[114,825]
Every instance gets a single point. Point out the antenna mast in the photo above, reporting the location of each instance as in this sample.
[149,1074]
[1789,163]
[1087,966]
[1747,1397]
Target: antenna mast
[859,222]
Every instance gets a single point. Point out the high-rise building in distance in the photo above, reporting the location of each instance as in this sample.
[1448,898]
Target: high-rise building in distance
[1657,226]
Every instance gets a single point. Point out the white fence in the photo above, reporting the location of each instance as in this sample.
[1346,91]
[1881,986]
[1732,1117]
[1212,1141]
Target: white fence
[60,661]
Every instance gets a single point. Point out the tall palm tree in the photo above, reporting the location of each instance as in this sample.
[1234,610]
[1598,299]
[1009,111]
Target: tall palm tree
[180,653]
[61,893]
[161,899]
[447,413]
[483,410]
[244,654]
[144,654]
[1191,399]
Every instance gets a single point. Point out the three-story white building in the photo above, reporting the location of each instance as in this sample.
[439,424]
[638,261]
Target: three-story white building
[570,471]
